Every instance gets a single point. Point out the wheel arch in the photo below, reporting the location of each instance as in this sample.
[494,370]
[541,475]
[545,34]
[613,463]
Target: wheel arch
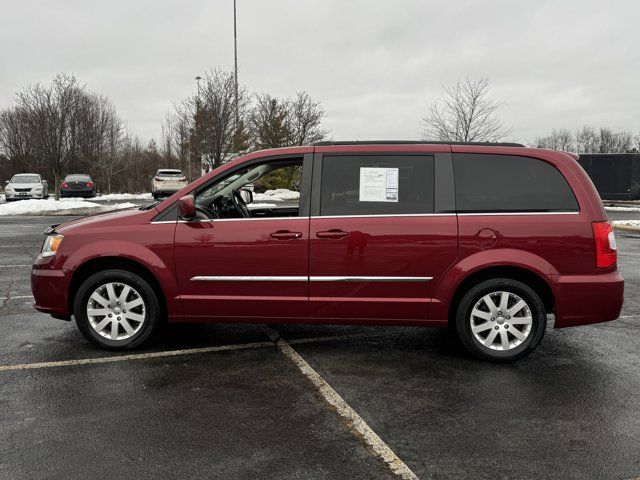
[94,265]
[524,275]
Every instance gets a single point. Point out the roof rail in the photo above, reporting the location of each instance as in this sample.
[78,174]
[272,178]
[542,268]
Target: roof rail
[414,142]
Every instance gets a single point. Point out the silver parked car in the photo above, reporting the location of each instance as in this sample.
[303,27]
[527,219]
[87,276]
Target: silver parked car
[26,185]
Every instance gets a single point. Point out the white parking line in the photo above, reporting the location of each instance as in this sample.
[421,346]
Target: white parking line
[14,266]
[165,353]
[13,297]
[355,421]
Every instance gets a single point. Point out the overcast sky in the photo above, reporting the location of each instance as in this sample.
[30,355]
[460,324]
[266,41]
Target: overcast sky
[372,64]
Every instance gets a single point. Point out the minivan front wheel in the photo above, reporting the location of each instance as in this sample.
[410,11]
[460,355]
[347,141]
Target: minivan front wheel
[501,320]
[116,310]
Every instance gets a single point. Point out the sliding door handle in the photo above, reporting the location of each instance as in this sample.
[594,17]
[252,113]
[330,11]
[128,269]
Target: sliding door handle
[332,234]
[285,235]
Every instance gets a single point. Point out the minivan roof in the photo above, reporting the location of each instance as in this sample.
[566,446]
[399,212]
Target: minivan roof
[414,142]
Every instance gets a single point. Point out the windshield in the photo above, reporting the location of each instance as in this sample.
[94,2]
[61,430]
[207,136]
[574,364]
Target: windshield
[77,178]
[170,173]
[25,179]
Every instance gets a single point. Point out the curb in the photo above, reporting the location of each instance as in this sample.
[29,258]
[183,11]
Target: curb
[626,228]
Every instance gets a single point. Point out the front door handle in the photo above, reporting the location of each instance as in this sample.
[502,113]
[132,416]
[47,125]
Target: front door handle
[332,234]
[285,235]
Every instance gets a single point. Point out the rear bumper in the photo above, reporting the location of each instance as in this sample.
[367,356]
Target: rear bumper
[49,288]
[77,193]
[586,299]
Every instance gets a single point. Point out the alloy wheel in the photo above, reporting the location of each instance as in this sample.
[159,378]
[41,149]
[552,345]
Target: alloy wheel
[501,320]
[116,311]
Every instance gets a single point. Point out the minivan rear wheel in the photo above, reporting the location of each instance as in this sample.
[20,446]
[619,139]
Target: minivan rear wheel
[501,320]
[116,310]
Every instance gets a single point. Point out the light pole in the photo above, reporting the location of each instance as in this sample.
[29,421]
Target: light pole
[198,78]
[235,61]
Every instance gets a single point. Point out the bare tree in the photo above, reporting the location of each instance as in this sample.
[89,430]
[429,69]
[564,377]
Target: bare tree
[305,117]
[269,122]
[465,113]
[215,133]
[561,139]
[50,114]
[604,140]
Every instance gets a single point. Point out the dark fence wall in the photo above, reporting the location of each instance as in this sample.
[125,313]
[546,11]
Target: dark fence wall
[615,175]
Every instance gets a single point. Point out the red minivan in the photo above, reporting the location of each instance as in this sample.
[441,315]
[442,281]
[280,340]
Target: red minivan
[486,238]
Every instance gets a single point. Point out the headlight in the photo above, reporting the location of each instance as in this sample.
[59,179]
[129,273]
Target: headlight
[51,244]
[37,189]
[8,190]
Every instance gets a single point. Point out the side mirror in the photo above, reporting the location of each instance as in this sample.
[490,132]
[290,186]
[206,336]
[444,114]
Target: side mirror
[44,182]
[6,182]
[247,195]
[187,208]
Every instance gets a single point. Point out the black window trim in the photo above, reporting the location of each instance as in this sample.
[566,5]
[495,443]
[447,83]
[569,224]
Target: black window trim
[305,187]
[444,198]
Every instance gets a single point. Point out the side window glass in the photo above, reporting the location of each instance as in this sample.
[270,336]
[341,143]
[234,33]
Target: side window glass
[270,189]
[509,183]
[377,184]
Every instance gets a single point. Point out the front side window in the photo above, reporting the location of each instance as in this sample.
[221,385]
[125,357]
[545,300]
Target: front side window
[270,189]
[509,183]
[377,185]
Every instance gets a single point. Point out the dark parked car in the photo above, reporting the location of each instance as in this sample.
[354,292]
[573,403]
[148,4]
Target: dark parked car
[78,185]
[488,239]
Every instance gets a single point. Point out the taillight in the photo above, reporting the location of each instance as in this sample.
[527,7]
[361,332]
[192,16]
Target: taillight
[606,248]
[64,185]
[158,179]
[89,184]
[182,179]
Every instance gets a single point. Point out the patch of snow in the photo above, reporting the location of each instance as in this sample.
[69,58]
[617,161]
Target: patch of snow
[278,195]
[261,205]
[626,223]
[622,209]
[64,206]
[122,196]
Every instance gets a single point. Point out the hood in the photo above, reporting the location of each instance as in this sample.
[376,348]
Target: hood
[119,217]
[23,185]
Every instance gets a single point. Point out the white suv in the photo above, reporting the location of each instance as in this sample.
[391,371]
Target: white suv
[26,185]
[167,181]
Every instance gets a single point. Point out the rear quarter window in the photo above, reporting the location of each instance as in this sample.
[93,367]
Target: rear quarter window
[510,183]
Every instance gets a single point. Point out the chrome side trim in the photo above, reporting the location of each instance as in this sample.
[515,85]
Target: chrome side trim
[388,215]
[368,279]
[284,278]
[231,278]
[515,213]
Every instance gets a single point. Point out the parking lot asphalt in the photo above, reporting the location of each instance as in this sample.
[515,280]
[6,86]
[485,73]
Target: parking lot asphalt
[239,408]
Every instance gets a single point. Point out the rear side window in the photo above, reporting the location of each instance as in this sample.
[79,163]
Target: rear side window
[509,183]
[376,185]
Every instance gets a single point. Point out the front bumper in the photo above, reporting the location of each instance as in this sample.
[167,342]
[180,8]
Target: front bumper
[586,299]
[27,196]
[49,288]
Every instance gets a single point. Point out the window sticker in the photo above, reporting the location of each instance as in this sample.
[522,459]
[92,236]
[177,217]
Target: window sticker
[378,184]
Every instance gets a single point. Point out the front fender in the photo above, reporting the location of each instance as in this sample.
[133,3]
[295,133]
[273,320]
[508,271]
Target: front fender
[482,260]
[161,269]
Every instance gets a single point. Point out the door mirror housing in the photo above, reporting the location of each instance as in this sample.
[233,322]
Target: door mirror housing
[6,182]
[44,182]
[187,208]
[247,195]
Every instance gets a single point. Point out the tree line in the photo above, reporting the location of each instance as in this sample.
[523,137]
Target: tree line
[64,128]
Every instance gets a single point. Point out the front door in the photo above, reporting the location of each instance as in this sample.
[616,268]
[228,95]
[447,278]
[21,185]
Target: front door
[377,243]
[236,265]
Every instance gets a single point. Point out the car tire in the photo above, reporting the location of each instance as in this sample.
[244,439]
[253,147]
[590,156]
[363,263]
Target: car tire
[133,327]
[494,333]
